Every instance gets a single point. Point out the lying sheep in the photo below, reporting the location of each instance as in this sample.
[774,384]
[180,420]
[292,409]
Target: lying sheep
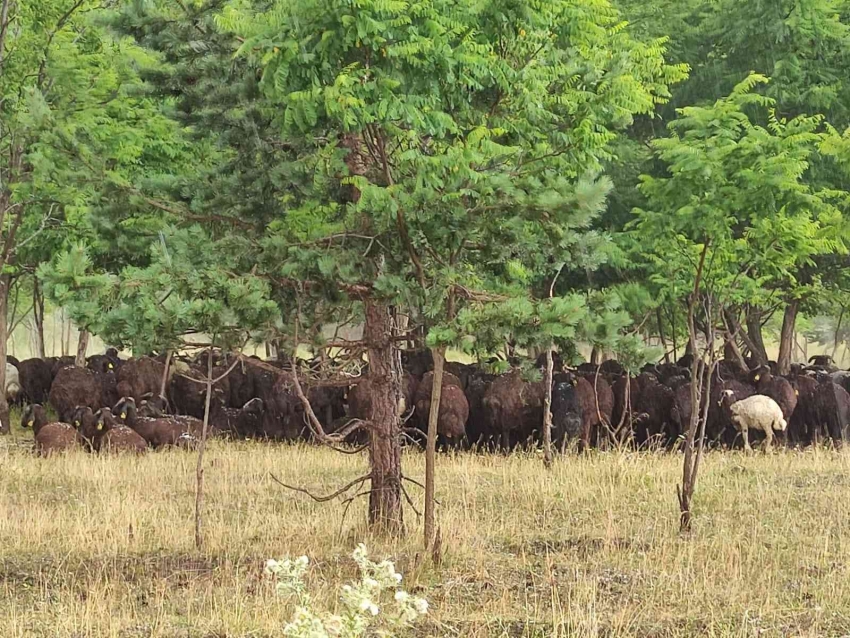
[50,438]
[757,412]
[112,436]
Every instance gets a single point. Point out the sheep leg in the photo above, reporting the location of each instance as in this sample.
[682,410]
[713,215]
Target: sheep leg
[745,434]
[768,438]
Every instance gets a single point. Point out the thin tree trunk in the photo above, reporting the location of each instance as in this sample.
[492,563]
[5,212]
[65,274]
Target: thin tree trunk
[199,469]
[756,345]
[38,318]
[163,384]
[836,334]
[594,356]
[385,511]
[439,355]
[673,330]
[786,337]
[82,348]
[547,409]
[685,493]
[661,334]
[4,405]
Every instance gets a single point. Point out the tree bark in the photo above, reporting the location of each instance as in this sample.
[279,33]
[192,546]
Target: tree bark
[38,318]
[756,340]
[439,355]
[385,511]
[199,469]
[4,303]
[82,348]
[786,337]
[547,410]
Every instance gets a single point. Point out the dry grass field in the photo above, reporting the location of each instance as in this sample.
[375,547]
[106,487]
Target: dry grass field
[102,546]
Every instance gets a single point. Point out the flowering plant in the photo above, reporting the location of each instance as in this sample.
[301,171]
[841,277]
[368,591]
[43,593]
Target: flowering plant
[366,604]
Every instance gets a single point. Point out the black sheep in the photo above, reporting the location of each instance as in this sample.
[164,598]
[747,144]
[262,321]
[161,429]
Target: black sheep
[515,407]
[566,410]
[36,377]
[138,377]
[777,388]
[832,403]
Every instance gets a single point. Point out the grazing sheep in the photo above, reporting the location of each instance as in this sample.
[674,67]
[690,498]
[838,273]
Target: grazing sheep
[654,408]
[832,406]
[624,411]
[36,377]
[50,438]
[757,412]
[720,426]
[114,437]
[804,423]
[74,387]
[514,406]
[566,410]
[479,429]
[454,407]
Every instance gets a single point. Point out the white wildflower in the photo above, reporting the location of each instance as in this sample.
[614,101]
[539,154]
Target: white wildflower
[401,596]
[421,605]
[273,567]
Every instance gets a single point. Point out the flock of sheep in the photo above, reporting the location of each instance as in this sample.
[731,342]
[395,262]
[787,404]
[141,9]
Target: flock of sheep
[115,404]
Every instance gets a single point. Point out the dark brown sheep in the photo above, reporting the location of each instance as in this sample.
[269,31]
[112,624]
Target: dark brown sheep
[515,407]
[777,388]
[680,415]
[479,428]
[832,403]
[620,415]
[454,407]
[189,392]
[85,424]
[138,377]
[654,409]
[74,387]
[36,378]
[804,423]
[112,436]
[158,431]
[50,438]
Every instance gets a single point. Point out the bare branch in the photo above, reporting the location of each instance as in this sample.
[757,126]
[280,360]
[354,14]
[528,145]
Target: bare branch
[329,497]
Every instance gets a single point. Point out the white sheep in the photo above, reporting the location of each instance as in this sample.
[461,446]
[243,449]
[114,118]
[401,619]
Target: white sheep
[757,412]
[13,383]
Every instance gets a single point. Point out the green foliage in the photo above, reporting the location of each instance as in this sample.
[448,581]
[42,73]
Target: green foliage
[740,189]
[184,292]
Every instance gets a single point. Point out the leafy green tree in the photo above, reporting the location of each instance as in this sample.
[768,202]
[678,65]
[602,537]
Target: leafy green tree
[732,220]
[71,121]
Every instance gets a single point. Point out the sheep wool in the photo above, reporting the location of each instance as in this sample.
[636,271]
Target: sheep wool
[758,412]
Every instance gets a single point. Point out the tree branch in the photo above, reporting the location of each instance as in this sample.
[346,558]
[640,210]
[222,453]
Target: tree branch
[329,497]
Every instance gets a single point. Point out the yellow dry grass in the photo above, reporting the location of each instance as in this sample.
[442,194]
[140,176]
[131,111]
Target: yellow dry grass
[102,546]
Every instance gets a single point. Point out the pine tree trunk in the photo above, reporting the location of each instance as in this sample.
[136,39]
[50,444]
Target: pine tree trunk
[759,352]
[385,511]
[439,355]
[786,338]
[4,304]
[38,318]
[82,348]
